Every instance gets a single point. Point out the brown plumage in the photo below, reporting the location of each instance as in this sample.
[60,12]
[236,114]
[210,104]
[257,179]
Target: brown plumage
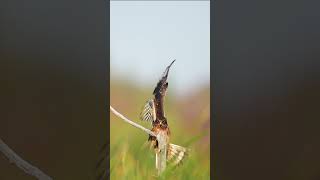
[154,111]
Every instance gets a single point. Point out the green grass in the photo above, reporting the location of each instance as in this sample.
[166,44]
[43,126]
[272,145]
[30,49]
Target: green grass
[131,159]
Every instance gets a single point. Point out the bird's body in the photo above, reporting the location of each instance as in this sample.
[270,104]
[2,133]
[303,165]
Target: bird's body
[154,111]
[159,129]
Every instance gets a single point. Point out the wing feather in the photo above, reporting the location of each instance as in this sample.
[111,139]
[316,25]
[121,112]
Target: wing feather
[148,112]
[176,153]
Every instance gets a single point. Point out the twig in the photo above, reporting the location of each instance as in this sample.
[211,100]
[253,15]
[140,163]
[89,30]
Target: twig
[22,164]
[132,123]
[161,155]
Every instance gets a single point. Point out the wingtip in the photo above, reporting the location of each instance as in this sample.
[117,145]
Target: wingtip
[172,62]
[166,72]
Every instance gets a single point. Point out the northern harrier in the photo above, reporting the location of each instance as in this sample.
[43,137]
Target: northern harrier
[153,112]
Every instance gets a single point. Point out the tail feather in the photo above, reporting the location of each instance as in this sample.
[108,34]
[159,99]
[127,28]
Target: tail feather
[176,153]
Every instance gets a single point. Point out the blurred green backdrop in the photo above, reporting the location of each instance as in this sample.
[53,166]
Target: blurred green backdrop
[189,121]
[144,38]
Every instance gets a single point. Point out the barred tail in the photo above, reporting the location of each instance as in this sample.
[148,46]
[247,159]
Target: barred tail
[176,153]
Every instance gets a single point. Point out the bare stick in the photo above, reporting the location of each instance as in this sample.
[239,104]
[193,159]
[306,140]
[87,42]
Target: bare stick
[22,164]
[161,155]
[132,123]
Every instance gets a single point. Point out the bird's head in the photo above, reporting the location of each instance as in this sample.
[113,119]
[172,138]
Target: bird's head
[163,124]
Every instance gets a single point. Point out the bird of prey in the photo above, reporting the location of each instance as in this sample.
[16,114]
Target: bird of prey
[153,112]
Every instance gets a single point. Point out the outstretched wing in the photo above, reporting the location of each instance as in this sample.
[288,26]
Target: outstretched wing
[176,154]
[148,112]
[160,91]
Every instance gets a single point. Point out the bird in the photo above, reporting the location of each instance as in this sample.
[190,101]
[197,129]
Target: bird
[153,112]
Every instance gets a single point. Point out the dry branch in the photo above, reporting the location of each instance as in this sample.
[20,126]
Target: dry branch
[22,164]
[161,156]
[132,123]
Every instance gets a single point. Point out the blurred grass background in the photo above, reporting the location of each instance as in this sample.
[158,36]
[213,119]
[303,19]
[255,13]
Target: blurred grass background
[144,38]
[189,121]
